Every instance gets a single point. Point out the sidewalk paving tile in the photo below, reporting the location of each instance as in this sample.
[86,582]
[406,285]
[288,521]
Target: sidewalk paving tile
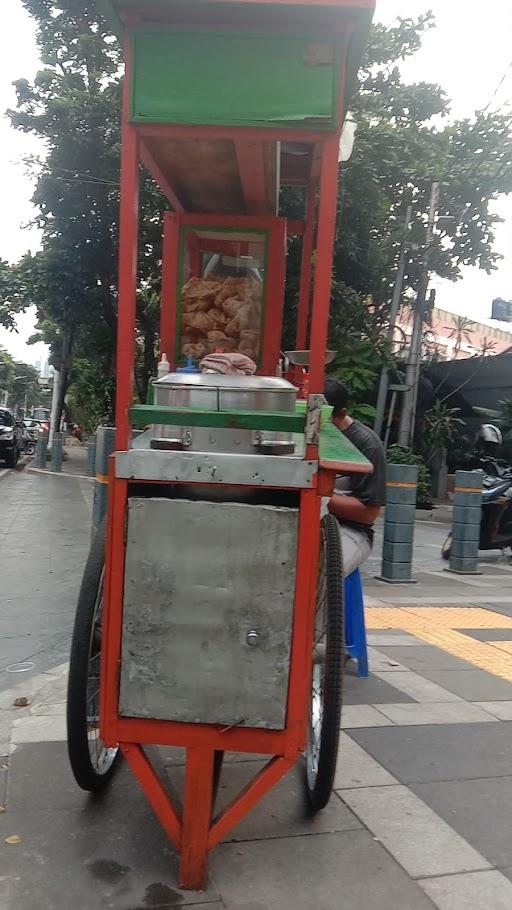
[500,709]
[92,858]
[213,905]
[436,713]
[346,869]
[440,753]
[421,689]
[282,813]
[353,716]
[358,769]
[370,691]
[490,634]
[380,662]
[384,639]
[31,763]
[472,685]
[415,836]
[502,605]
[478,890]
[425,657]
[480,810]
[39,729]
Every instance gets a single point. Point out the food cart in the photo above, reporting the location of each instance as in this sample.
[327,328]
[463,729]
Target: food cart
[211,612]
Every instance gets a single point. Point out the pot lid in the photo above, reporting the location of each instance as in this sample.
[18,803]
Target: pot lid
[220,381]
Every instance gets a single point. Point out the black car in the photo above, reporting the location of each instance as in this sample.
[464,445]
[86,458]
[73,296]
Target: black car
[10,438]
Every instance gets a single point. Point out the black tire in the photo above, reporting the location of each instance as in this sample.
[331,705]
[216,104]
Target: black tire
[328,663]
[446,549]
[92,763]
[12,459]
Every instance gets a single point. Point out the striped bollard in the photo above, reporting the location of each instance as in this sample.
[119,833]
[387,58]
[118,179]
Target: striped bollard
[467,513]
[105,445]
[56,453]
[41,450]
[91,457]
[401,484]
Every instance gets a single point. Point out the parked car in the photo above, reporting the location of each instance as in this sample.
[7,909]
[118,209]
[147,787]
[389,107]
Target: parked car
[10,438]
[34,427]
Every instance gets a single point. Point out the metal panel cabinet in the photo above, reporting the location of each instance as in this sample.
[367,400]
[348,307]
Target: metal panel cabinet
[208,600]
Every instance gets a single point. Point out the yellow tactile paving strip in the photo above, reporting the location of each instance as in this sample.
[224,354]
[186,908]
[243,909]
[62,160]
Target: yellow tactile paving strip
[440,626]
[502,645]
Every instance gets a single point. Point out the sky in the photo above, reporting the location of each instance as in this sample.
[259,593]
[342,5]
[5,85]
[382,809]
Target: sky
[468,54]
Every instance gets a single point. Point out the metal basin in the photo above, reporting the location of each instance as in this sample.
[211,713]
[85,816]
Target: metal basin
[217,392]
[301,358]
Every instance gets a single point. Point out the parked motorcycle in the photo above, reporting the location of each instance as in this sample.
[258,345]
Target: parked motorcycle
[28,440]
[496,521]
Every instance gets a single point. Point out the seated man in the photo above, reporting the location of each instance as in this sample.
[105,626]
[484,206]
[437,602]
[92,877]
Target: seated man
[357,498]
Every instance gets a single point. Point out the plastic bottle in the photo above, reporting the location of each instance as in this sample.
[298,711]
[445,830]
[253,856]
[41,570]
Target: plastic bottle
[163,366]
[189,367]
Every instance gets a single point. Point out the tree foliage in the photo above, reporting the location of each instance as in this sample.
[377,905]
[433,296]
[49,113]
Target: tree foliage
[19,382]
[74,106]
[404,141]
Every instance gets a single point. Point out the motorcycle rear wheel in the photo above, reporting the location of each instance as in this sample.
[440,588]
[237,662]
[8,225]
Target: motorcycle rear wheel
[446,549]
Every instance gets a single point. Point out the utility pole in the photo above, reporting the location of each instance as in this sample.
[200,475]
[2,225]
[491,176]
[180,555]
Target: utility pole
[428,309]
[393,312]
[406,428]
[53,412]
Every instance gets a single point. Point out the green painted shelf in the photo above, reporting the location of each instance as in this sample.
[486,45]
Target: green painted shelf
[232,419]
[337,451]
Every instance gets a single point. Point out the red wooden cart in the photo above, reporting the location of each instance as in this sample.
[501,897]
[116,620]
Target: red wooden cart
[223,103]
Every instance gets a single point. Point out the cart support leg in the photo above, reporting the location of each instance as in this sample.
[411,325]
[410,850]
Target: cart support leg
[197,813]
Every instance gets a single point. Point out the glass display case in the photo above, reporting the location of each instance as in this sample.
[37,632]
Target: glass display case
[223,287]
[220,292]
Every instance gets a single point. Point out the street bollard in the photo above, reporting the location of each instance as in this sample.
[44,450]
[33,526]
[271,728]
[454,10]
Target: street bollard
[91,457]
[41,450]
[56,453]
[467,513]
[401,484]
[105,445]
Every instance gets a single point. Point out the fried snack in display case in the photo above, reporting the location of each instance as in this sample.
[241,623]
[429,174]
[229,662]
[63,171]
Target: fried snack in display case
[221,288]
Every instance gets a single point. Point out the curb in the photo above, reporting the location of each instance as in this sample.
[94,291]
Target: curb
[58,473]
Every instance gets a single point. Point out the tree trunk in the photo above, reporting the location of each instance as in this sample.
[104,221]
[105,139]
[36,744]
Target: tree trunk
[65,369]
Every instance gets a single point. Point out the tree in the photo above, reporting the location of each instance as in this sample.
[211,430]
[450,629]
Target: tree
[461,332]
[73,104]
[19,383]
[403,143]
[8,291]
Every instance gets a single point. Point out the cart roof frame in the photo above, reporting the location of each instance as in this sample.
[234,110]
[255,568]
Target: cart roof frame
[325,13]
[204,164]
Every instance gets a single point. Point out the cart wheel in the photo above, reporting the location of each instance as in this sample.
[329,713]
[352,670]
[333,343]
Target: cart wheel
[92,762]
[328,661]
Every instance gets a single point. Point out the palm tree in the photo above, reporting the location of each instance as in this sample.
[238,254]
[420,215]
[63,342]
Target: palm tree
[462,328]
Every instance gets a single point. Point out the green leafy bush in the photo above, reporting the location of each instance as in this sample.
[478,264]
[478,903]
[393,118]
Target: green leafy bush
[398,455]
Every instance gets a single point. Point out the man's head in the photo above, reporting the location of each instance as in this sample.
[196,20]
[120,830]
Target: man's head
[337,396]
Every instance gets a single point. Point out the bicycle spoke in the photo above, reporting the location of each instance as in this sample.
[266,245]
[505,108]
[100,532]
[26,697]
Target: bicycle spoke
[101,756]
